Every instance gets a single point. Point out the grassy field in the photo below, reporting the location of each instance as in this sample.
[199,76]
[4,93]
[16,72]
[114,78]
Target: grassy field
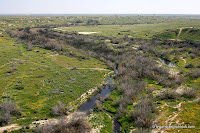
[36,80]
[191,34]
[146,31]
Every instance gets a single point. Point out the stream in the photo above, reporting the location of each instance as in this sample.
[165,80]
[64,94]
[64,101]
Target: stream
[105,91]
[166,62]
[90,104]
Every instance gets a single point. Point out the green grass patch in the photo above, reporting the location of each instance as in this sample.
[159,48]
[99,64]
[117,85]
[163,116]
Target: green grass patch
[36,80]
[102,121]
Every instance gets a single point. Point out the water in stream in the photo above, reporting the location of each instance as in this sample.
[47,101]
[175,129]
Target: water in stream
[90,104]
[166,62]
[116,126]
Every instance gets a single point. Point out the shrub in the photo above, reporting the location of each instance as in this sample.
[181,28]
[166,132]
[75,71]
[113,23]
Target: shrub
[122,109]
[189,66]
[5,119]
[7,108]
[13,68]
[18,87]
[168,94]
[92,22]
[142,114]
[59,110]
[195,73]
[77,125]
[150,90]
[192,56]
[98,105]
[198,100]
[74,68]
[27,29]
[189,93]
[29,47]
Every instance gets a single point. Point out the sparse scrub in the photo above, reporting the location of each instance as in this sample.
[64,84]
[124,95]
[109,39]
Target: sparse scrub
[5,119]
[189,93]
[98,105]
[142,114]
[198,100]
[122,107]
[8,108]
[29,47]
[189,66]
[195,73]
[13,68]
[77,125]
[18,86]
[168,94]
[59,109]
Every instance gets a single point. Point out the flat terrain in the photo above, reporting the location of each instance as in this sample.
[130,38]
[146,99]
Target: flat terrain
[146,31]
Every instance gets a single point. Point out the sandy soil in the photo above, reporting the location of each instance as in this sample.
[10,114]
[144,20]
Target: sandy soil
[87,33]
[10,128]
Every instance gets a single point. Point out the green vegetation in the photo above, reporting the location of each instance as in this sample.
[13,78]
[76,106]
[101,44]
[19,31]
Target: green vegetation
[37,79]
[146,31]
[147,91]
[102,121]
[169,34]
[110,104]
[191,34]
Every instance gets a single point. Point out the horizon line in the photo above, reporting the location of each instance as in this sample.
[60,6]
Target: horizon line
[60,14]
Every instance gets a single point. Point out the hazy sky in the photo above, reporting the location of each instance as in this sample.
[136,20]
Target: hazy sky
[99,6]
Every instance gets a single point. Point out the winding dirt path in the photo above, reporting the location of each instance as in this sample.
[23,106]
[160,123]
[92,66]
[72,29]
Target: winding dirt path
[183,60]
[180,31]
[169,121]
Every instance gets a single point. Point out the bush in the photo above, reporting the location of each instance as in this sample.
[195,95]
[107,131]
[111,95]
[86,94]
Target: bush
[7,108]
[195,73]
[122,109]
[198,100]
[18,87]
[74,68]
[98,105]
[29,47]
[189,66]
[5,119]
[77,125]
[150,90]
[142,114]
[168,94]
[59,110]
[189,93]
